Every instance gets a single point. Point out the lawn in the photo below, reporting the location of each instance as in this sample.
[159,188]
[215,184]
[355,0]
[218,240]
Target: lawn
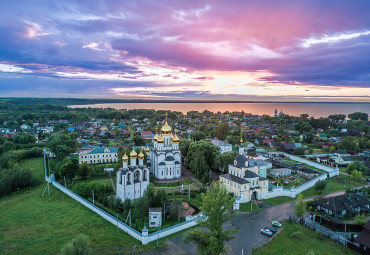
[246,207]
[334,184]
[278,200]
[295,239]
[31,224]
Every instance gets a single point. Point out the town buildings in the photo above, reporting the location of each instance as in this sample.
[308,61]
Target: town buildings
[224,147]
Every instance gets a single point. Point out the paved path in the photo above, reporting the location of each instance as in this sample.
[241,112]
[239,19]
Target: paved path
[249,226]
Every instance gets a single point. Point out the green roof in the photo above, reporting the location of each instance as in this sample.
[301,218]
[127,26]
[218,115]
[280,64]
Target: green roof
[101,150]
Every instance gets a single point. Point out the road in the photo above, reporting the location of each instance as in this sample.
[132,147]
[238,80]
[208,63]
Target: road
[249,226]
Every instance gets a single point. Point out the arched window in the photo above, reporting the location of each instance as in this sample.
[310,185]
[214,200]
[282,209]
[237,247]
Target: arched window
[128,178]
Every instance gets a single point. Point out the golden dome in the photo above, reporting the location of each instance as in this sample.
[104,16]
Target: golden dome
[141,155]
[160,139]
[172,136]
[156,134]
[176,139]
[166,129]
[133,153]
[241,140]
[147,149]
[125,157]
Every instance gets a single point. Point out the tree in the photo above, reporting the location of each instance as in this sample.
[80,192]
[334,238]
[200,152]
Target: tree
[70,168]
[299,206]
[62,145]
[184,147]
[222,131]
[84,171]
[223,160]
[357,165]
[320,186]
[304,115]
[8,146]
[299,151]
[217,206]
[356,175]
[197,135]
[138,140]
[22,138]
[358,116]
[360,219]
[80,245]
[337,117]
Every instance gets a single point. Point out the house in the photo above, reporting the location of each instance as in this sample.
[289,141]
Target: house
[281,172]
[321,136]
[339,206]
[25,127]
[155,217]
[307,172]
[98,155]
[146,135]
[364,238]
[224,147]
[345,160]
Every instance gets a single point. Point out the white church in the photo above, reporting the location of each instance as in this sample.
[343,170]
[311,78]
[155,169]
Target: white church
[165,156]
[133,178]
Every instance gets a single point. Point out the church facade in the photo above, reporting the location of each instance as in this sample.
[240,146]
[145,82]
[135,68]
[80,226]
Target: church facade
[165,156]
[133,178]
[244,179]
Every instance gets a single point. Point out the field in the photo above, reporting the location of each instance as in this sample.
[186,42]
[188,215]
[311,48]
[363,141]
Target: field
[31,224]
[278,200]
[246,207]
[295,239]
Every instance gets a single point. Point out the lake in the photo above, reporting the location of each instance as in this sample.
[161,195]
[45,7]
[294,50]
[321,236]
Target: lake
[295,109]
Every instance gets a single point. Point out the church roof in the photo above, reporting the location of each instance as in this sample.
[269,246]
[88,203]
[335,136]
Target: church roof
[240,161]
[101,150]
[250,174]
[161,163]
[234,178]
[177,162]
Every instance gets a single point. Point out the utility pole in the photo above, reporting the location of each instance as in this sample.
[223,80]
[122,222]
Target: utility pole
[65,183]
[93,197]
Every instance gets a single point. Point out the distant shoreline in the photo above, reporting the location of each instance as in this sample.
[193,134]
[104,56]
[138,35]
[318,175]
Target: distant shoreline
[83,101]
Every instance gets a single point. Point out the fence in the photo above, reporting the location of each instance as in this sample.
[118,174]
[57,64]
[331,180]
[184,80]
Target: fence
[338,237]
[141,236]
[340,226]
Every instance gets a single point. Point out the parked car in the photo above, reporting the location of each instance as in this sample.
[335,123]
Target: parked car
[368,179]
[276,224]
[266,232]
[273,230]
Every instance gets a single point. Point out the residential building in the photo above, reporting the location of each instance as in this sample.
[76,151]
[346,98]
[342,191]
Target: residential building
[281,172]
[224,147]
[98,155]
[155,217]
[364,238]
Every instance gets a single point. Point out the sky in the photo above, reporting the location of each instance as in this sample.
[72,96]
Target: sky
[274,50]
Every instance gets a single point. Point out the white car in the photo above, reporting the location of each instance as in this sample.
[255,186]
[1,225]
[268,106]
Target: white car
[266,232]
[276,224]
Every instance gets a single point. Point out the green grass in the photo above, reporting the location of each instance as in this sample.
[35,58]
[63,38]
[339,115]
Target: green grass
[278,200]
[31,224]
[173,184]
[246,207]
[295,239]
[334,184]
[197,200]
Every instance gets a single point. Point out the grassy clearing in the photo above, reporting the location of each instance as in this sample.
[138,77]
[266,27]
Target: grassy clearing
[295,239]
[34,225]
[278,200]
[246,207]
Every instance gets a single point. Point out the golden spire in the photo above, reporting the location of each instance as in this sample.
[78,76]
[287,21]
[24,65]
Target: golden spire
[125,157]
[241,136]
[133,153]
[147,148]
[166,129]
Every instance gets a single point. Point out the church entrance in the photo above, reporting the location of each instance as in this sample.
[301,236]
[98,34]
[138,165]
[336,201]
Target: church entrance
[254,195]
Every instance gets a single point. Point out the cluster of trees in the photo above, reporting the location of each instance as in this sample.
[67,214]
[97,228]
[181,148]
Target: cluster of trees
[62,144]
[354,143]
[357,166]
[11,158]
[15,178]
[201,158]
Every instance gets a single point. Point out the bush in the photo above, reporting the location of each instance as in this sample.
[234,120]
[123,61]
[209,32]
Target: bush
[319,235]
[77,246]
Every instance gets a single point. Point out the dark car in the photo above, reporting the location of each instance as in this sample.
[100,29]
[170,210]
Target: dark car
[368,179]
[273,230]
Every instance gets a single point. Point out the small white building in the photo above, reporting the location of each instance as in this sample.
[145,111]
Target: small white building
[224,147]
[155,217]
[281,172]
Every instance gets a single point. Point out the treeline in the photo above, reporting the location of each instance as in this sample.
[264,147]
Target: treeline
[11,158]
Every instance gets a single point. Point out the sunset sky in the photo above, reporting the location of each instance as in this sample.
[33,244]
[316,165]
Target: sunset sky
[290,50]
